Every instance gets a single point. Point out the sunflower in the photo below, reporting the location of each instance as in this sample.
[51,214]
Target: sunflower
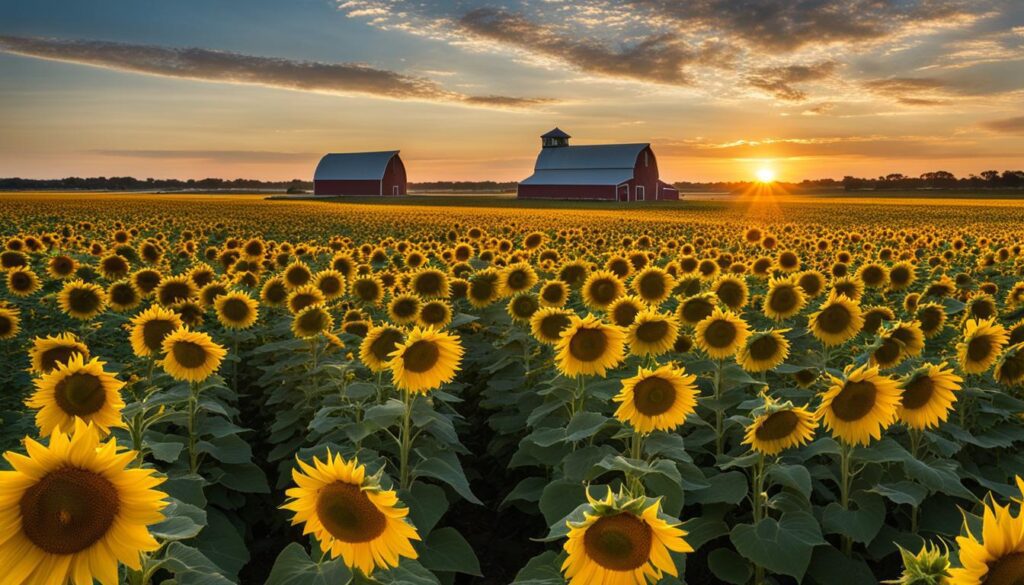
[404,309]
[657,400]
[623,310]
[274,293]
[811,282]
[779,426]
[426,359]
[554,293]
[77,389]
[932,318]
[304,296]
[548,323]
[331,283]
[901,276]
[236,310]
[516,278]
[296,274]
[928,395]
[522,306]
[763,351]
[601,288]
[367,289]
[1010,367]
[721,334]
[982,342]
[653,285]
[61,266]
[150,327]
[995,555]
[82,300]
[190,355]
[784,299]
[859,406]
[123,296]
[873,275]
[430,283]
[73,509]
[435,313]
[350,514]
[851,288]
[874,317]
[191,312]
[621,542]
[1016,332]
[695,309]
[589,346]
[837,320]
[10,322]
[174,290]
[21,282]
[652,333]
[312,321]
[208,294]
[378,345]
[731,291]
[483,288]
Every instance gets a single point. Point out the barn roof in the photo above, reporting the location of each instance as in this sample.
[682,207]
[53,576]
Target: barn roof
[601,164]
[355,166]
[556,133]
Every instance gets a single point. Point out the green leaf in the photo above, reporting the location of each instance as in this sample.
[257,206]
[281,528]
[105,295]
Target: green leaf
[221,542]
[902,492]
[792,476]
[561,497]
[191,567]
[780,546]
[727,488]
[448,470]
[294,567]
[181,522]
[427,503]
[729,566]
[407,573]
[527,490]
[861,522]
[230,449]
[446,550]
[167,452]
[831,566]
[543,569]
[385,415]
[583,425]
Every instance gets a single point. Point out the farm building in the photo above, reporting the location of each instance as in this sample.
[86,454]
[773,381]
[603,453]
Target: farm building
[611,172]
[360,173]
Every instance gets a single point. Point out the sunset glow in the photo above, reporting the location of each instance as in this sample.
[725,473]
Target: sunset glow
[765,175]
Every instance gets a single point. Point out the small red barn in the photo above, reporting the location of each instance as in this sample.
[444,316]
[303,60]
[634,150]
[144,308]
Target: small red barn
[609,172]
[360,173]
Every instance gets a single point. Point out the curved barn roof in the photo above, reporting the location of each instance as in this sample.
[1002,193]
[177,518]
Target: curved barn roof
[354,166]
[600,164]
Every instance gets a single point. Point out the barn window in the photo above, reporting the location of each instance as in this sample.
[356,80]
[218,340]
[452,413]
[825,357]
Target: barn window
[645,159]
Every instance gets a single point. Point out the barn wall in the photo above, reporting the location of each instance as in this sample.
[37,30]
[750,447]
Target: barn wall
[647,176]
[667,192]
[395,175]
[344,187]
[606,192]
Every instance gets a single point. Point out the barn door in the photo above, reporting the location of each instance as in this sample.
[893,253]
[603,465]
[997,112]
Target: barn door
[640,192]
[623,192]
[394,190]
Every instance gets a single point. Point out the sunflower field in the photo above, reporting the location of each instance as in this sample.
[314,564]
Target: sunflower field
[205,390]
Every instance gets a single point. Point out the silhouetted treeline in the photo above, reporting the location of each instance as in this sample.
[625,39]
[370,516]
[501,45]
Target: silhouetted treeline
[293,186]
[891,182]
[133,184]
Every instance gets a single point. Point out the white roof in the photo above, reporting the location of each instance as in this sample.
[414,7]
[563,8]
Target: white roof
[579,177]
[599,164]
[598,156]
[356,166]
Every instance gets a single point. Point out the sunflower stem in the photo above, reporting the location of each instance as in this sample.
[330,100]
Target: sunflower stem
[406,440]
[234,363]
[846,479]
[193,410]
[636,450]
[719,412]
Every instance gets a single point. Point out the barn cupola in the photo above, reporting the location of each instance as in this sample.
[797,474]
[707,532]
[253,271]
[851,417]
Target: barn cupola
[555,139]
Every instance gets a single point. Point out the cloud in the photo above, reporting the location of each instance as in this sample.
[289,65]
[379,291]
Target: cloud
[867,146]
[223,66]
[779,81]
[1006,125]
[788,25]
[658,57]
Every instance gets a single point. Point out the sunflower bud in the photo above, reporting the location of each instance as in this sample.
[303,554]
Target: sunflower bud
[930,566]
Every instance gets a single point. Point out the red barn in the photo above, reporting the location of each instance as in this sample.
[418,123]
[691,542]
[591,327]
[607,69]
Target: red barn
[360,173]
[608,172]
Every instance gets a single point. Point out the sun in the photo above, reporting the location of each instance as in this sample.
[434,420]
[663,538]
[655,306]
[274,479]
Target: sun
[765,175]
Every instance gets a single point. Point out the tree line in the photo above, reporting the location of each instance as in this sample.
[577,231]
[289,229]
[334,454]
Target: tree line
[212,184]
[891,182]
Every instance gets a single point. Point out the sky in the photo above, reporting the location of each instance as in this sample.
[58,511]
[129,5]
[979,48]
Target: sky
[722,89]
